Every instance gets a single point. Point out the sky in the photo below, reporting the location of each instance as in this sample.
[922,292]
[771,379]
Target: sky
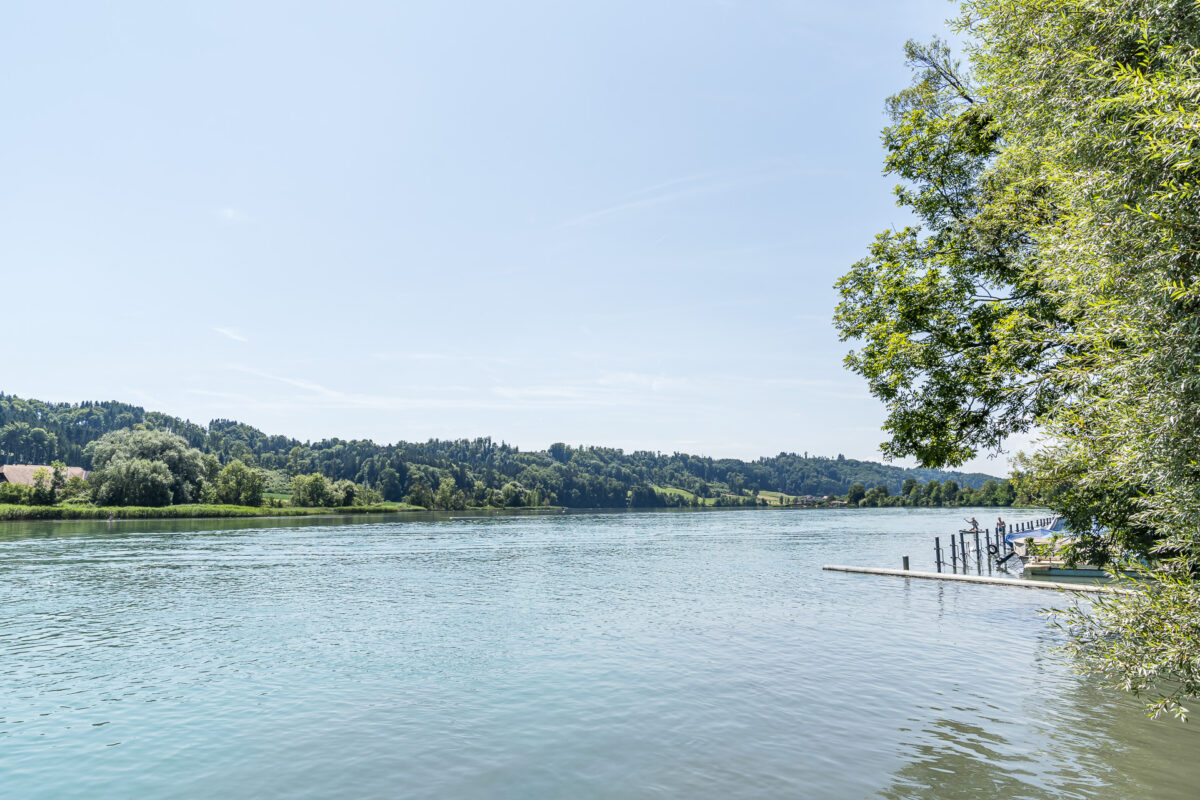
[613,223]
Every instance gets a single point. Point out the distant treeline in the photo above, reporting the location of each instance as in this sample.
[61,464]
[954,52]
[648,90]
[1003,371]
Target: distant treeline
[912,493]
[486,472]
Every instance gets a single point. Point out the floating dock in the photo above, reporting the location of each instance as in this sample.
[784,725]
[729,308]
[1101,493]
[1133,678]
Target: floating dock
[947,576]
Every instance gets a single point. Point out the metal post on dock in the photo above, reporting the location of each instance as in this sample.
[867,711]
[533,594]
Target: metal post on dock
[962,549]
[906,563]
[953,555]
[937,552]
[978,554]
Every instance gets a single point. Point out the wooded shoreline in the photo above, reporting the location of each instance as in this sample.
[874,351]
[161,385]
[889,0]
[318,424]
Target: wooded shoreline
[66,513]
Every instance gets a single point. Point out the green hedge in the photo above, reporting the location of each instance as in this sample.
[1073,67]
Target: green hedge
[13,512]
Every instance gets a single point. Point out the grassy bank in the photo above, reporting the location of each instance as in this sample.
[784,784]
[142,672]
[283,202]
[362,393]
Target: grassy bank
[771,498]
[69,511]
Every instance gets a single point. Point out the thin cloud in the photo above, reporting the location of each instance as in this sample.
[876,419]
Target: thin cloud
[309,386]
[228,396]
[611,389]
[535,393]
[409,356]
[231,334]
[143,397]
[320,396]
[684,188]
[232,215]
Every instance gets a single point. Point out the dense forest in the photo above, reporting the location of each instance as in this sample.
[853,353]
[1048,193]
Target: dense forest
[484,471]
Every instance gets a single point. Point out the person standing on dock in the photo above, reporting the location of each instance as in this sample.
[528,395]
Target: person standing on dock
[1000,525]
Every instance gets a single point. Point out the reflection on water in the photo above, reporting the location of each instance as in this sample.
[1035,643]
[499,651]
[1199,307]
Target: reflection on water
[1068,740]
[604,655]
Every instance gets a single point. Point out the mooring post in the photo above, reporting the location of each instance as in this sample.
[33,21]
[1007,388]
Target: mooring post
[962,549]
[906,563]
[953,555]
[937,552]
[978,555]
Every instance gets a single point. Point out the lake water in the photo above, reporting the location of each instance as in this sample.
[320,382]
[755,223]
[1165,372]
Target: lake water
[689,655]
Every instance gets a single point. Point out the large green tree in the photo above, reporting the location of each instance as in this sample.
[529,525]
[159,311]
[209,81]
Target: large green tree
[238,484]
[1053,282]
[311,490]
[1105,98]
[950,326]
[145,467]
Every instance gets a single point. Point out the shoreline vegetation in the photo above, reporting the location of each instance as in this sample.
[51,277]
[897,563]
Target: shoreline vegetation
[133,464]
[23,513]
[51,497]
[75,512]
[1048,284]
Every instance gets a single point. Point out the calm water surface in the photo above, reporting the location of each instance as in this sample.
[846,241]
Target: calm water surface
[691,655]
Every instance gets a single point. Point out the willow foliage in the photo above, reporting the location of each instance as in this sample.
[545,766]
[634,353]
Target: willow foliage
[1055,284]
[1105,97]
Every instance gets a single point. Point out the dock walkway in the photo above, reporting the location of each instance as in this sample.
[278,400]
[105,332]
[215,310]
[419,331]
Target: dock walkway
[946,576]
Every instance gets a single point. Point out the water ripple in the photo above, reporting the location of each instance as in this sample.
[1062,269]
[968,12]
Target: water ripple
[604,655]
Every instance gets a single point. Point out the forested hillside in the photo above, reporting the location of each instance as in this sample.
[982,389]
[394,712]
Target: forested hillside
[32,431]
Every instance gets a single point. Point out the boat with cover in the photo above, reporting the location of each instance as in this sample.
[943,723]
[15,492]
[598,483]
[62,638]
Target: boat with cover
[1045,558]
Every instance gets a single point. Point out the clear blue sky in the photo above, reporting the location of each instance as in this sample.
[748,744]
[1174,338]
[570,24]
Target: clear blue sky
[608,222]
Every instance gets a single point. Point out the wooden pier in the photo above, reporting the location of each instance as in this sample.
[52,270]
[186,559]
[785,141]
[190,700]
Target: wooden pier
[987,579]
[968,542]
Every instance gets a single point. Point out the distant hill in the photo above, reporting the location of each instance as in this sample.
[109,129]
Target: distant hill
[32,431]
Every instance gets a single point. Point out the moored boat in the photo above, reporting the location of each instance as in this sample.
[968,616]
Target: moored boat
[1044,559]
